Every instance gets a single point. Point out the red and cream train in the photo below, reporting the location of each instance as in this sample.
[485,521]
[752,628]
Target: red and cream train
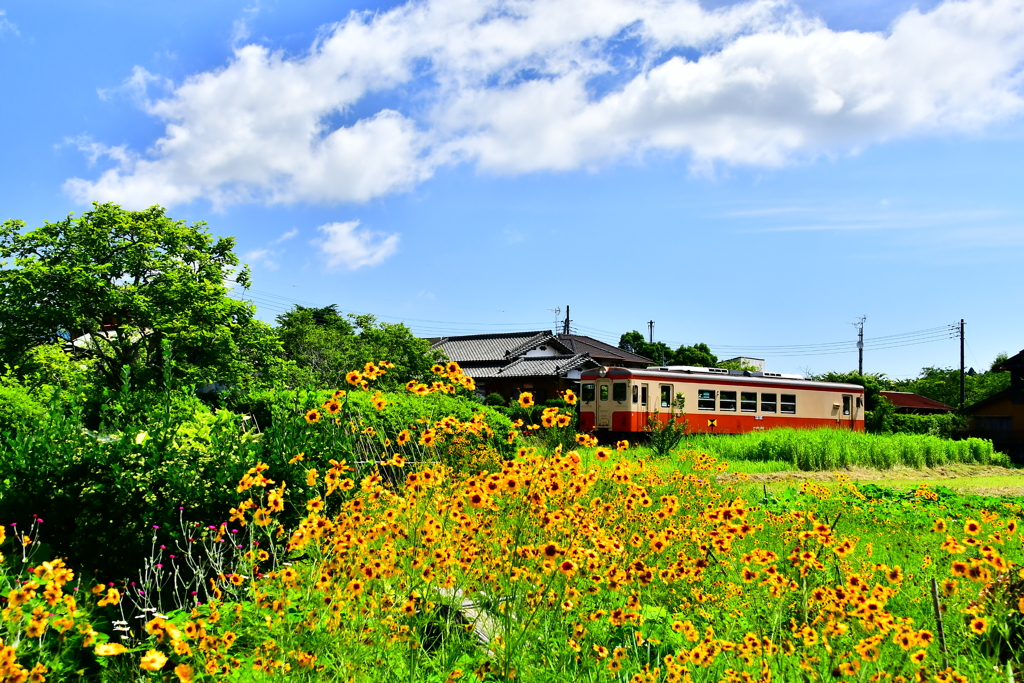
[619,400]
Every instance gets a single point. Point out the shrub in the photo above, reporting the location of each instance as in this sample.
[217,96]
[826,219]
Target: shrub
[18,408]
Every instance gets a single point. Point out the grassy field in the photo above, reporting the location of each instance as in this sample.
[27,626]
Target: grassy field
[831,449]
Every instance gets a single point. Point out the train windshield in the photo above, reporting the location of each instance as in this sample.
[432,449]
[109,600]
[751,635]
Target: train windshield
[619,391]
[588,392]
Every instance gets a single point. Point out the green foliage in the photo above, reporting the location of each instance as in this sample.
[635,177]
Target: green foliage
[494,399]
[830,449]
[666,436]
[123,284]
[101,494]
[872,383]
[326,345]
[885,420]
[698,355]
[943,384]
[18,409]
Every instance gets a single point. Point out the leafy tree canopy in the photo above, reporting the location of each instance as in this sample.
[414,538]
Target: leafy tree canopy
[697,355]
[123,286]
[326,345]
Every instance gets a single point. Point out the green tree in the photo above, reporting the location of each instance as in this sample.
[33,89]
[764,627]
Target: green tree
[124,286]
[326,345]
[698,355]
[943,384]
[872,383]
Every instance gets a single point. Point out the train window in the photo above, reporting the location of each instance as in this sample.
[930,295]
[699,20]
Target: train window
[705,399]
[643,395]
[847,404]
[604,392]
[619,391]
[727,400]
[860,401]
[768,403]
[588,392]
[636,394]
[748,401]
[666,395]
[789,403]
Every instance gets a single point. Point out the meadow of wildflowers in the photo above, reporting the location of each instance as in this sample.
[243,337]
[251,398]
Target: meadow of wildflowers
[446,548]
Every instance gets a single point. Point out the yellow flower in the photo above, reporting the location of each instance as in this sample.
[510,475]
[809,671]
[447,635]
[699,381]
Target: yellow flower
[526,399]
[978,625]
[184,672]
[110,649]
[602,453]
[312,415]
[111,598]
[354,378]
[569,397]
[153,660]
[621,445]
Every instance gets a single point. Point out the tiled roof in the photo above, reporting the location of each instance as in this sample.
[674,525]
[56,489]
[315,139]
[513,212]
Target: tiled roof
[598,349]
[906,399]
[552,366]
[485,347]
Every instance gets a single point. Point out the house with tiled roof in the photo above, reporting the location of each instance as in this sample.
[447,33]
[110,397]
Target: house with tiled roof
[1001,417]
[540,362]
[605,354]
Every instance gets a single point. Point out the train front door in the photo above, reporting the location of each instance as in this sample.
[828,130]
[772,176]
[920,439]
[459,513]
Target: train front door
[604,404]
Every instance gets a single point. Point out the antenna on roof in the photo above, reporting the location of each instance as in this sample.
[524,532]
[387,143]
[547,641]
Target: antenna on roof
[558,314]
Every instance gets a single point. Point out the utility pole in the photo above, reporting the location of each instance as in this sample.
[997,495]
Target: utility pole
[860,343]
[565,326]
[962,393]
[650,331]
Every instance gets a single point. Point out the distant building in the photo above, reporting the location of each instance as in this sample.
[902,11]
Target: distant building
[539,362]
[915,404]
[1001,417]
[756,363]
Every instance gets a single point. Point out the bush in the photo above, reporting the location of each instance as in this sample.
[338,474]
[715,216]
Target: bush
[101,495]
[18,408]
[494,399]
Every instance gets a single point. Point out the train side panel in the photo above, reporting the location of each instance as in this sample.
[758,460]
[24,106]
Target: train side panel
[623,401]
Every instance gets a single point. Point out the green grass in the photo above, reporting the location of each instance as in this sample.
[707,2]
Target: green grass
[829,449]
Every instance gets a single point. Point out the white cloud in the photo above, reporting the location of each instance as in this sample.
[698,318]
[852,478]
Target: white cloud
[515,86]
[286,236]
[344,245]
[6,25]
[261,256]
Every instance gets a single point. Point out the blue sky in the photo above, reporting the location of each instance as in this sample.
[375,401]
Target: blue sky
[754,175]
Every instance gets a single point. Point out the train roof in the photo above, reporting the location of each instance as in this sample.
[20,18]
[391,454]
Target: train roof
[746,376]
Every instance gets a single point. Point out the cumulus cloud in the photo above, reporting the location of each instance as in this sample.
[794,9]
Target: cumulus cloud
[517,86]
[344,245]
